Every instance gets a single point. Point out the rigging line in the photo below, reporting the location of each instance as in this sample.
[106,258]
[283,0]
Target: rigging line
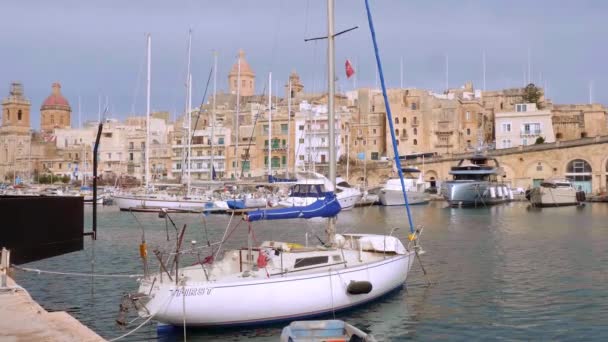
[200,109]
[389,117]
[137,84]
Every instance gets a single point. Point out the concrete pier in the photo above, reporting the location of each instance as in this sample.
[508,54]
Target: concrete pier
[22,319]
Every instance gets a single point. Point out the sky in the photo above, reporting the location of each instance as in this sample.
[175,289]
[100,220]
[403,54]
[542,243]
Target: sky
[97,49]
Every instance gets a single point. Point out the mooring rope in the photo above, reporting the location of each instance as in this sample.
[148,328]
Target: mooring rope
[76,274]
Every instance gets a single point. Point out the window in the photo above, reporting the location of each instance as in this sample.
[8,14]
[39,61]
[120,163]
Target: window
[374,131]
[178,166]
[301,127]
[520,107]
[506,127]
[19,115]
[143,145]
[467,116]
[8,115]
[468,130]
[276,162]
[374,155]
[397,121]
[220,141]
[246,165]
[531,128]
[265,128]
[310,261]
[397,132]
[415,142]
[199,165]
[404,120]
[283,143]
[415,131]
[284,129]
[109,155]
[301,157]
[539,167]
[301,141]
[414,106]
[131,156]
[374,141]
[283,160]
[322,140]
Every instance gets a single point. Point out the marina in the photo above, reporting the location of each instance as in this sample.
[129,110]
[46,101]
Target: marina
[339,213]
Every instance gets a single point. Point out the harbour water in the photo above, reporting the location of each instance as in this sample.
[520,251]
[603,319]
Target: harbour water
[505,272]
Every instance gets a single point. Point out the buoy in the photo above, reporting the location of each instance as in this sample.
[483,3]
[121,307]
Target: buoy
[359,287]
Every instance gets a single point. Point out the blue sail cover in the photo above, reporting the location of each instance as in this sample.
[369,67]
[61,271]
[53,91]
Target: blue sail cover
[325,207]
[236,204]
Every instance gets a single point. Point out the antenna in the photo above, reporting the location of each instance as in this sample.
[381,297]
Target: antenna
[447,73]
[529,68]
[590,92]
[401,72]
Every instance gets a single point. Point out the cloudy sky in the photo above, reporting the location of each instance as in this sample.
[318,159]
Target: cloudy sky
[97,48]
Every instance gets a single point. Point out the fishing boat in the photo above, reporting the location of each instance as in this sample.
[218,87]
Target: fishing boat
[555,193]
[476,183]
[390,194]
[323,331]
[278,280]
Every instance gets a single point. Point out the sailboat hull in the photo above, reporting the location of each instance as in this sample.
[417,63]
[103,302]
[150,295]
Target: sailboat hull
[277,298]
[144,202]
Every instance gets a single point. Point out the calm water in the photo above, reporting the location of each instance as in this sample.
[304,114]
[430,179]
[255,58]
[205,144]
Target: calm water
[504,273]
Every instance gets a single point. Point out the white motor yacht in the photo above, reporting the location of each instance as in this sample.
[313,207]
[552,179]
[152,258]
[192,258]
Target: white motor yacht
[555,193]
[392,194]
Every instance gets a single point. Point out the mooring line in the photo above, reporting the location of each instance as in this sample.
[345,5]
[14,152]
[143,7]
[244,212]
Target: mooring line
[76,274]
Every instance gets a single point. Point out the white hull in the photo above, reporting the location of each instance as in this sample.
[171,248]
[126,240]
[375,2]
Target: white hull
[553,197]
[259,299]
[146,202]
[347,200]
[393,197]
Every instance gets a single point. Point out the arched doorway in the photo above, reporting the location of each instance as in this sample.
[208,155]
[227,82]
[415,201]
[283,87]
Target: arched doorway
[578,171]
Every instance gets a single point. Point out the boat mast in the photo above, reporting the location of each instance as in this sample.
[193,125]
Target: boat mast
[269,124]
[188,109]
[213,114]
[331,224]
[236,121]
[288,123]
[149,57]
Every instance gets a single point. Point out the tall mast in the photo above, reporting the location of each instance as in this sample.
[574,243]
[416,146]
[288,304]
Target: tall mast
[331,224]
[236,119]
[213,114]
[288,123]
[147,111]
[188,113]
[269,124]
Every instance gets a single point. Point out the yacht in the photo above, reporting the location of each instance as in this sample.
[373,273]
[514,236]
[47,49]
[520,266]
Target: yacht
[392,194]
[475,183]
[311,186]
[555,193]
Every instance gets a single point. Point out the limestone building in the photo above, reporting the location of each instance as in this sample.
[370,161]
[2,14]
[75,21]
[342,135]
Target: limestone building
[241,71]
[15,135]
[523,126]
[577,121]
[55,111]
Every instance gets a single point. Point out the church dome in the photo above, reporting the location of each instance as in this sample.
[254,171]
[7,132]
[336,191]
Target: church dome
[56,100]
[245,67]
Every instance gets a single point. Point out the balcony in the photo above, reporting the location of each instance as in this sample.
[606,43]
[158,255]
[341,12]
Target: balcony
[276,147]
[530,133]
[442,145]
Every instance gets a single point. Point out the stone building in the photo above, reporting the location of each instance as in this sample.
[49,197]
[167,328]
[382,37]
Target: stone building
[55,111]
[243,72]
[523,126]
[15,135]
[579,121]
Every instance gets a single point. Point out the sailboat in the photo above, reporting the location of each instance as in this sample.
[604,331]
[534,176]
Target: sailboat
[276,280]
[151,201]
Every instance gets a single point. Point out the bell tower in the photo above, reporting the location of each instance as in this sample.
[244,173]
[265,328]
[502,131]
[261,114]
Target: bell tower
[16,109]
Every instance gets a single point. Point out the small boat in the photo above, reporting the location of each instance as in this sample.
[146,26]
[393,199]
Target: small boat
[312,186]
[476,183]
[323,331]
[392,194]
[555,193]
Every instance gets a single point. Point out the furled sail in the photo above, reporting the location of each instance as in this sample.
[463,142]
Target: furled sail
[324,207]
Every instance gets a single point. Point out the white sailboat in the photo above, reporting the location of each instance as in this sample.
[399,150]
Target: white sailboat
[276,280]
[151,201]
[311,186]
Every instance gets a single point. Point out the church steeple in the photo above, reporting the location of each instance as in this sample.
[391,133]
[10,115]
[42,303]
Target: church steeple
[16,108]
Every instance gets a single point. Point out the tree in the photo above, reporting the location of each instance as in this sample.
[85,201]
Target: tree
[532,94]
[539,140]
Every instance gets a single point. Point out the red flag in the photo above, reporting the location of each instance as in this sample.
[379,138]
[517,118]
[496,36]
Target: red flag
[349,69]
